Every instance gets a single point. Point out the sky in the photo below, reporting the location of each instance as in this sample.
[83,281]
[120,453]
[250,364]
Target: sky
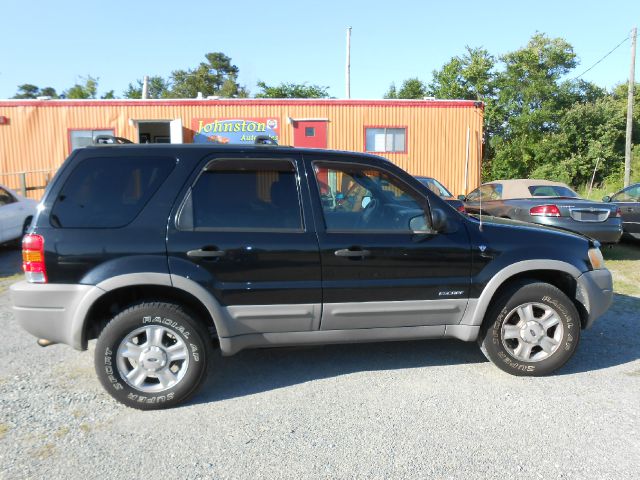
[54,43]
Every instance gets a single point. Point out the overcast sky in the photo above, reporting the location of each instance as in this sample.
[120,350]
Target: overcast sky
[54,43]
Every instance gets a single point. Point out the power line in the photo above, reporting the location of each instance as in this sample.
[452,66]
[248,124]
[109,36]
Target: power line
[610,52]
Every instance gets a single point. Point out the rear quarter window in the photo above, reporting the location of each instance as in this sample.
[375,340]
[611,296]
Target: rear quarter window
[108,192]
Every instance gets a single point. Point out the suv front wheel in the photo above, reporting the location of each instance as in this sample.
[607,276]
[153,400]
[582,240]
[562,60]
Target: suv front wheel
[531,330]
[152,355]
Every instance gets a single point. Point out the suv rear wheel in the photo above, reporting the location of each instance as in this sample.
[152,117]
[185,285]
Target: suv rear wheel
[152,355]
[531,330]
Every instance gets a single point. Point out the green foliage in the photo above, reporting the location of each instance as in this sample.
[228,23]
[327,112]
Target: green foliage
[215,77]
[158,88]
[411,88]
[291,90]
[28,90]
[88,88]
[538,124]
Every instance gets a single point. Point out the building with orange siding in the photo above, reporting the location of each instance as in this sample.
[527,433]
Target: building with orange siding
[436,138]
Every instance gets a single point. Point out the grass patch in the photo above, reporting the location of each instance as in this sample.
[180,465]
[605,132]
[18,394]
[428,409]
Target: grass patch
[622,260]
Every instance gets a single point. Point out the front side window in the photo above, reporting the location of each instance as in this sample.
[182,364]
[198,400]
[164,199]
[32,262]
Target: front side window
[385,139]
[629,195]
[84,138]
[5,197]
[106,192]
[487,192]
[251,195]
[359,198]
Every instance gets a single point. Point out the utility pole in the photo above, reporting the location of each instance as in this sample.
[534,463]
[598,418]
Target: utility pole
[145,87]
[348,66]
[632,82]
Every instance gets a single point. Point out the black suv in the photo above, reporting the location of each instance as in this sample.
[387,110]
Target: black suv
[163,251]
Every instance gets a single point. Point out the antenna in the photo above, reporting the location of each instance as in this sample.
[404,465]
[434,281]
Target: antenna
[480,168]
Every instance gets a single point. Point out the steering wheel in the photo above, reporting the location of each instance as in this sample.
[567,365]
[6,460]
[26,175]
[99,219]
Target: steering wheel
[368,213]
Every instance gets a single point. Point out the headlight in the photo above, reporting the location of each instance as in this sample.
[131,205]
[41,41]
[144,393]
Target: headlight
[596,258]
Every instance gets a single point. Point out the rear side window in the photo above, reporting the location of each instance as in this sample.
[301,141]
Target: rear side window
[248,195]
[105,192]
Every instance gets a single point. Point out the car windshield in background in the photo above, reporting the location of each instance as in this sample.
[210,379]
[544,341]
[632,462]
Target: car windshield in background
[551,191]
[435,186]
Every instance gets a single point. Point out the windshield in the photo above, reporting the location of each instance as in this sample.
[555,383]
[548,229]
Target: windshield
[435,186]
[551,191]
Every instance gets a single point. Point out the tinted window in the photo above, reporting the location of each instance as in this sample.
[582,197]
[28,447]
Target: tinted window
[551,191]
[108,192]
[360,198]
[245,195]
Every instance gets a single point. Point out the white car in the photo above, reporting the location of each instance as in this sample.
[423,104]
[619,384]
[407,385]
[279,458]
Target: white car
[16,213]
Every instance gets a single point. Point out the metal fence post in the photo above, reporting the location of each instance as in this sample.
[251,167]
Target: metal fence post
[23,183]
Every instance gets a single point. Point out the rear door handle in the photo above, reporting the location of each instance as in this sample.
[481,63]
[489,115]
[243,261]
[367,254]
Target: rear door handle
[348,252]
[206,253]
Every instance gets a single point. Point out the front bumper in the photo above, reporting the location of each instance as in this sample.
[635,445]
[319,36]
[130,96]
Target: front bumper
[53,311]
[595,292]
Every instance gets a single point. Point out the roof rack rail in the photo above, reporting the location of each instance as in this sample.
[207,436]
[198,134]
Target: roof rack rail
[110,140]
[265,140]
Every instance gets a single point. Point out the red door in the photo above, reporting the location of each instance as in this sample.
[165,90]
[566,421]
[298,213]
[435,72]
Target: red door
[310,133]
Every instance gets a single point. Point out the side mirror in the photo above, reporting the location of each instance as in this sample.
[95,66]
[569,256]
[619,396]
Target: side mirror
[366,200]
[462,198]
[606,198]
[439,220]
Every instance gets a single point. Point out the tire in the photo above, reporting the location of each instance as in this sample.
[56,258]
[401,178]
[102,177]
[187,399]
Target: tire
[152,355]
[532,329]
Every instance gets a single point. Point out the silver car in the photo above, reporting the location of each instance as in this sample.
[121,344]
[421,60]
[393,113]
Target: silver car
[547,203]
[16,213]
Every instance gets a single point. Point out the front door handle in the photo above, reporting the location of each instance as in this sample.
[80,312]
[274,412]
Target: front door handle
[349,252]
[206,253]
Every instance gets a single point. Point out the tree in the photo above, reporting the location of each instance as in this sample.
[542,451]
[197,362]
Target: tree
[28,90]
[87,89]
[532,100]
[392,92]
[158,88]
[291,90]
[208,78]
[411,88]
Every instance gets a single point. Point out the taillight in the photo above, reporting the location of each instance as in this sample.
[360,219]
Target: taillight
[545,211]
[461,209]
[33,258]
[618,213]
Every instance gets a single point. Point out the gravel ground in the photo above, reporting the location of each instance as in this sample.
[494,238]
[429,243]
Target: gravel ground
[394,410]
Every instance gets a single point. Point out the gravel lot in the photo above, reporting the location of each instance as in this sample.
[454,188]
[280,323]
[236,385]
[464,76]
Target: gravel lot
[418,409]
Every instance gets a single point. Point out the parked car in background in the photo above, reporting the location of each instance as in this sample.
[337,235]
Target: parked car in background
[628,200]
[16,213]
[547,203]
[436,187]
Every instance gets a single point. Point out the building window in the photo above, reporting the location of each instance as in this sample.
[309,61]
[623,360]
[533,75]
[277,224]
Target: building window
[385,139]
[84,138]
[310,131]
